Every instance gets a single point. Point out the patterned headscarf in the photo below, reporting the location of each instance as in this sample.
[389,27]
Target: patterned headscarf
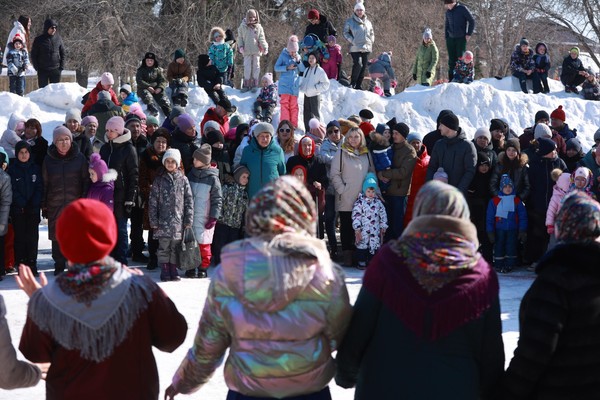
[439,198]
[282,206]
[578,219]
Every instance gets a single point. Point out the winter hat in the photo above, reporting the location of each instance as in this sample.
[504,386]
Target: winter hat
[575,49]
[542,131]
[137,110]
[369,182]
[126,88]
[597,135]
[483,159]
[203,154]
[346,125]
[268,77]
[282,206]
[506,181]
[514,143]
[498,124]
[333,124]
[20,127]
[116,123]
[185,122]
[235,121]
[366,114]
[22,144]
[582,172]
[73,113]
[440,175]
[331,38]
[449,120]
[380,128]
[98,165]
[226,104]
[107,79]
[86,231]
[485,132]
[17,38]
[541,115]
[152,120]
[173,154]
[402,129]
[559,114]
[90,119]
[214,136]
[309,41]
[545,146]
[468,55]
[239,171]
[359,6]
[356,119]
[439,198]
[574,144]
[262,127]
[414,136]
[578,219]
[176,111]
[313,14]
[203,60]
[103,95]
[211,125]
[132,118]
[150,55]
[60,131]
[292,44]
[179,53]
[314,123]
[524,42]
[427,34]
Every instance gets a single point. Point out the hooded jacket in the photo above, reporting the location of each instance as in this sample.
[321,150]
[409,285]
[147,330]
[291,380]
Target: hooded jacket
[146,77]
[359,32]
[93,98]
[104,190]
[252,38]
[47,51]
[426,61]
[518,175]
[289,79]
[382,66]
[9,137]
[208,201]
[265,164]
[403,164]
[314,82]
[104,110]
[27,187]
[171,204]
[459,22]
[541,182]
[559,191]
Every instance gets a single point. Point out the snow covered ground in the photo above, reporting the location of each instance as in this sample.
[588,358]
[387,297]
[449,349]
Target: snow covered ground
[418,106]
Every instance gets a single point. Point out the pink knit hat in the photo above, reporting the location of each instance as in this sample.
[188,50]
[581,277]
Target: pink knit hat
[98,165]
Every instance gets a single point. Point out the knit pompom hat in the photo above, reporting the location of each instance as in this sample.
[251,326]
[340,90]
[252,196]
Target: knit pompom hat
[370,182]
[126,88]
[268,77]
[292,44]
[427,34]
[107,79]
[559,113]
[86,231]
[204,154]
[359,6]
[313,14]
[98,165]
[116,123]
[506,181]
[440,175]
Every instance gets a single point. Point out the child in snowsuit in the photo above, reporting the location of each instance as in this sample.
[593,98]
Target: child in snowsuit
[206,189]
[27,189]
[128,97]
[559,191]
[369,221]
[381,68]
[17,60]
[464,71]
[210,79]
[170,210]
[382,155]
[252,45]
[582,179]
[333,65]
[312,44]
[219,52]
[591,87]
[506,222]
[542,65]
[267,99]
[103,182]
[288,65]
[235,202]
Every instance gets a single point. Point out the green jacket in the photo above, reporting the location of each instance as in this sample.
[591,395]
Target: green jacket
[427,59]
[265,164]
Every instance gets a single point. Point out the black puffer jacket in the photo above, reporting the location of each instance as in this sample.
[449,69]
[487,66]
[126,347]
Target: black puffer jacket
[65,179]
[558,352]
[323,29]
[186,146]
[47,51]
[120,155]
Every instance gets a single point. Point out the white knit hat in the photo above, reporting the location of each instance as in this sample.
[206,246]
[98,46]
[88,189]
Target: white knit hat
[174,154]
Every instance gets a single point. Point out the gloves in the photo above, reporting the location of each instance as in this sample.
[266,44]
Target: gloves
[414,77]
[394,84]
[210,223]
[492,237]
[550,229]
[428,74]
[522,236]
[128,207]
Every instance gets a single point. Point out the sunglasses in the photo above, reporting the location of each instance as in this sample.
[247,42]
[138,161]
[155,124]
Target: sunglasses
[288,130]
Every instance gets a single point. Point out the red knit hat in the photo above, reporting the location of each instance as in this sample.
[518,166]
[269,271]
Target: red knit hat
[86,231]
[559,114]
[313,14]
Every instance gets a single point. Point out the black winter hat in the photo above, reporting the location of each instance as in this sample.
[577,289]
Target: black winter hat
[150,55]
[49,23]
[213,137]
[514,143]
[440,115]
[226,104]
[483,159]
[22,145]
[402,128]
[572,144]
[450,120]
[545,146]
[203,60]
[132,118]
[366,114]
[541,115]
[498,124]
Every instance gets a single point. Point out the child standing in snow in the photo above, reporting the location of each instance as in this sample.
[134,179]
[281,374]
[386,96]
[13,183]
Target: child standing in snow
[128,98]
[103,182]
[334,63]
[464,71]
[506,222]
[252,45]
[267,99]
[206,189]
[219,52]
[17,60]
[288,65]
[170,211]
[313,84]
[369,221]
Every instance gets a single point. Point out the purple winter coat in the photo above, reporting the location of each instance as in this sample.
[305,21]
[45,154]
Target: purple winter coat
[104,192]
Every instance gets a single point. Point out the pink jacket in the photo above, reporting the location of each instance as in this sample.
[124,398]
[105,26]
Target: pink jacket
[331,67]
[560,190]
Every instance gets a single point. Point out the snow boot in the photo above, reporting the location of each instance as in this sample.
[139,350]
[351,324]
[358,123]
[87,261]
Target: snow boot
[190,273]
[165,275]
[173,272]
[152,264]
[202,273]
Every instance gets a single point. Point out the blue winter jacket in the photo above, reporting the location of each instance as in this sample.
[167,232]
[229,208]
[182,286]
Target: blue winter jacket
[515,220]
[459,22]
[289,80]
[27,187]
[265,164]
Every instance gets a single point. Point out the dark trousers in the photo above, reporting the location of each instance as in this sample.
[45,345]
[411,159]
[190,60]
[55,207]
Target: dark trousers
[346,231]
[137,230]
[152,246]
[224,234]
[59,260]
[119,253]
[456,47]
[505,249]
[522,77]
[544,81]
[574,81]
[537,236]
[395,207]
[330,221]
[27,235]
[263,111]
[359,66]
[17,84]
[478,209]
[215,95]
[311,109]
[320,395]
[45,77]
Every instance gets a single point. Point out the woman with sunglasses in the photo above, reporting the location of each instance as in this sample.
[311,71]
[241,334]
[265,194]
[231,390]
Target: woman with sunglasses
[286,139]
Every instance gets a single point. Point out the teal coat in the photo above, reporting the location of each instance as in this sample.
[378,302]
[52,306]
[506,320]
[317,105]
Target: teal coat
[427,59]
[265,164]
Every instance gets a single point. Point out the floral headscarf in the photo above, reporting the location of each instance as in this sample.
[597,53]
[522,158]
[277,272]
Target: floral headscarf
[578,219]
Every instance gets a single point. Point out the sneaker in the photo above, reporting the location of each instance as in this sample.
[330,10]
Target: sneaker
[202,273]
[140,257]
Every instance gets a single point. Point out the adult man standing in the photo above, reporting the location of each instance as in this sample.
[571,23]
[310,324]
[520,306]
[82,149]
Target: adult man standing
[459,28]
[454,153]
[48,54]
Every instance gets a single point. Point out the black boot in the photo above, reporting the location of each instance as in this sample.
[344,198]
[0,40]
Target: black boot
[152,264]
[190,273]
[173,272]
[202,273]
[165,274]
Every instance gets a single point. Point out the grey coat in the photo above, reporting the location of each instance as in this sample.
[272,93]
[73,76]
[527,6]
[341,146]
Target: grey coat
[171,204]
[206,189]
[5,201]
[359,32]
[348,171]
[325,155]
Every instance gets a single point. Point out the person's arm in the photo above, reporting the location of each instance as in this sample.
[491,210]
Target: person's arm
[61,52]
[526,185]
[495,180]
[470,21]
[348,31]
[322,81]
[188,204]
[153,200]
[335,173]
[35,51]
[262,40]
[331,29]
[522,213]
[131,175]
[216,199]
[470,161]
[403,171]
[167,324]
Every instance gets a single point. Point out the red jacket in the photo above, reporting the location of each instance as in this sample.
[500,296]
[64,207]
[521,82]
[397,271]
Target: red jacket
[93,98]
[211,115]
[418,180]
